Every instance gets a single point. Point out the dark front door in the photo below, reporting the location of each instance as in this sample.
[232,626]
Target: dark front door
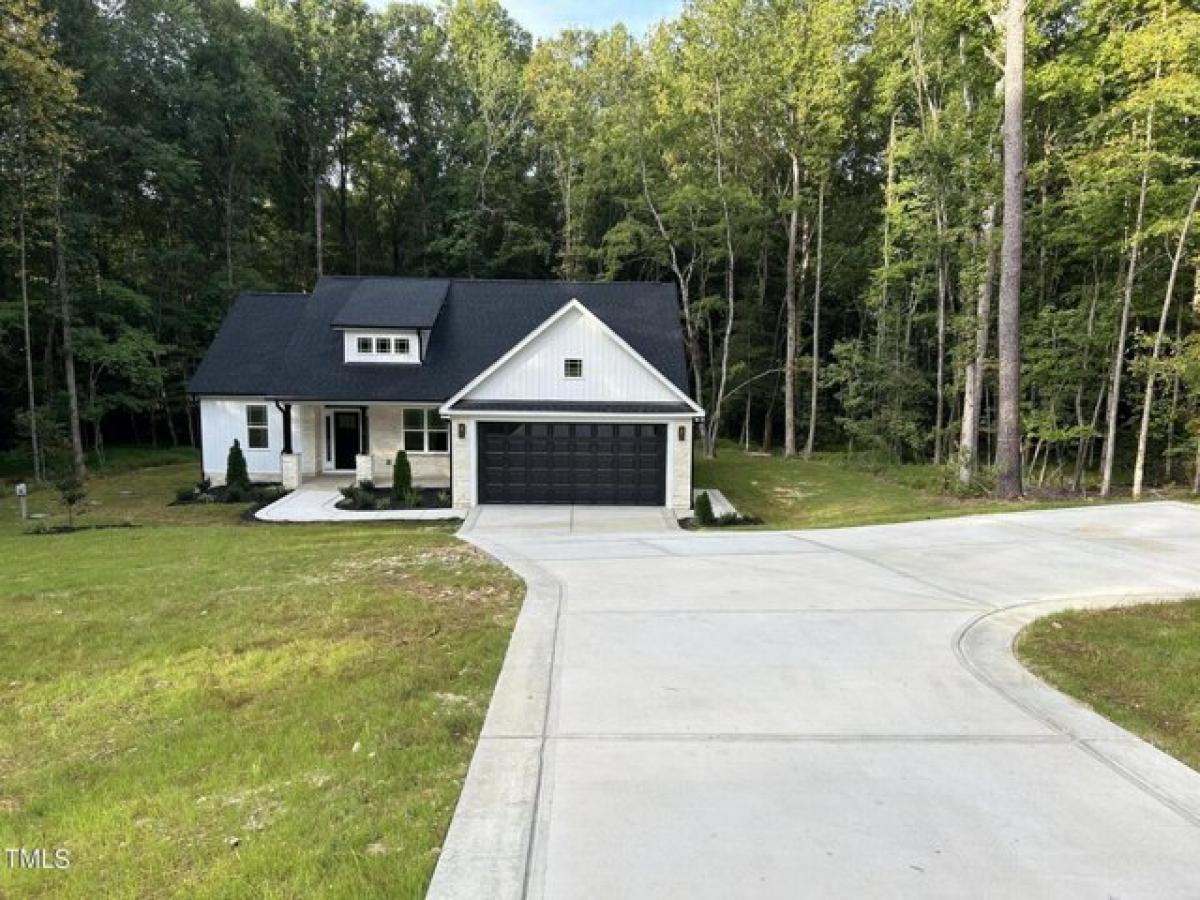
[347,439]
[619,464]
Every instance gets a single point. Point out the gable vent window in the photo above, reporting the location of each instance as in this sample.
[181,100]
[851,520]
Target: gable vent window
[572,368]
[365,345]
[256,426]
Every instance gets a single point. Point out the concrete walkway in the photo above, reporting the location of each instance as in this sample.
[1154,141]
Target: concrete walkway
[316,501]
[817,714]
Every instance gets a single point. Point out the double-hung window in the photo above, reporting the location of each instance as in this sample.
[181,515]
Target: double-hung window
[256,426]
[425,431]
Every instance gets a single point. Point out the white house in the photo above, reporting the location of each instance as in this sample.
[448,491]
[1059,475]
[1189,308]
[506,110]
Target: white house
[500,391]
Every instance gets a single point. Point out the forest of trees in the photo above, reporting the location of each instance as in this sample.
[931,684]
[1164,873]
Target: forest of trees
[822,178]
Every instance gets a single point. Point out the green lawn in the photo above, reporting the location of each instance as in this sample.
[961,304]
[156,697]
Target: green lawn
[1137,665]
[831,491]
[205,707]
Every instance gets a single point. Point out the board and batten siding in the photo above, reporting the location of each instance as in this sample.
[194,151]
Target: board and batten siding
[610,373]
[222,420]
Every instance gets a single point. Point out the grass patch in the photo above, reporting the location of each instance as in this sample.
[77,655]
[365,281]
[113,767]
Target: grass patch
[199,706]
[830,490]
[1137,665]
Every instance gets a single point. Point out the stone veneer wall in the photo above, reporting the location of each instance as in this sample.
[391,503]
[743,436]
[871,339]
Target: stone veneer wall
[428,469]
[460,452]
[681,466]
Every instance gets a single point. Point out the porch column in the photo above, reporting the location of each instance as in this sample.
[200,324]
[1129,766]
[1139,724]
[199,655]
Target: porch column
[289,462]
[287,427]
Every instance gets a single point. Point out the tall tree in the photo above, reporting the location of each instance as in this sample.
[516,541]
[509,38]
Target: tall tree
[1008,441]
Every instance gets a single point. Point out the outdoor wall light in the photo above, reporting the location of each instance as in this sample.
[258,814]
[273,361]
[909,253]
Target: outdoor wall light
[462,429]
[683,432]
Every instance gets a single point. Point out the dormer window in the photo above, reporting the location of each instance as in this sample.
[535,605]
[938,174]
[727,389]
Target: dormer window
[379,346]
[572,368]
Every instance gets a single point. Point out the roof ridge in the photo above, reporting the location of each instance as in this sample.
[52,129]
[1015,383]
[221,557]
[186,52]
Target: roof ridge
[460,280]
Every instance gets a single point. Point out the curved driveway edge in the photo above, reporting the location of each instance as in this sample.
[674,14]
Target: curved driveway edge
[825,713]
[987,648]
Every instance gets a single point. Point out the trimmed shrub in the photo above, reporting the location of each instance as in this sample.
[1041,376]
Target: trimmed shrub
[358,496]
[237,479]
[401,477]
[704,510]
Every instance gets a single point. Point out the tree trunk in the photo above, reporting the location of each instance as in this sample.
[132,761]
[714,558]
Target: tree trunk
[229,224]
[1139,468]
[789,301]
[64,299]
[1114,391]
[816,334]
[318,217]
[712,430]
[1008,449]
[32,390]
[940,378]
[888,191]
[1173,410]
[969,437]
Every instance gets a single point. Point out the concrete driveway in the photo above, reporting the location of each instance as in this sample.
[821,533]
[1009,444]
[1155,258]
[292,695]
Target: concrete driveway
[816,714]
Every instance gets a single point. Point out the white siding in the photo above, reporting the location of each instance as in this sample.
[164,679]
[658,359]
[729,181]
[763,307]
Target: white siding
[223,420]
[610,372]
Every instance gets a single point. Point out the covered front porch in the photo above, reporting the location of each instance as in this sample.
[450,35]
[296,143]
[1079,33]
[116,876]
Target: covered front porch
[359,442]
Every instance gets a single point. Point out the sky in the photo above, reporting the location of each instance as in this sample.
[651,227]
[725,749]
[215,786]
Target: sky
[545,18]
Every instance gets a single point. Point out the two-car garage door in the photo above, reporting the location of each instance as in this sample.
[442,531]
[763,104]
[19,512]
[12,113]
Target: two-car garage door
[572,462]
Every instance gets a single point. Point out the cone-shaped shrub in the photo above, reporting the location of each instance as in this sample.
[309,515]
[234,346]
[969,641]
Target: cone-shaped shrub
[401,477]
[237,479]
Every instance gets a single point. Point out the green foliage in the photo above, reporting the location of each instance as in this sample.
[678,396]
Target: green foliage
[237,479]
[359,496]
[442,142]
[72,493]
[704,510]
[401,476]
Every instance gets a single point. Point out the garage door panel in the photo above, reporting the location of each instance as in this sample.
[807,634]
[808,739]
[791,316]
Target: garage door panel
[577,462]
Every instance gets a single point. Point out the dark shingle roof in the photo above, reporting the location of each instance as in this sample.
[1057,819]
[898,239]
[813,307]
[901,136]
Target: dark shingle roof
[286,345]
[392,303]
[248,351]
[577,406]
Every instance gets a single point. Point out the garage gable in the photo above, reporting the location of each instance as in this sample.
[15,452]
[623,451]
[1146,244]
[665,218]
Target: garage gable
[572,357]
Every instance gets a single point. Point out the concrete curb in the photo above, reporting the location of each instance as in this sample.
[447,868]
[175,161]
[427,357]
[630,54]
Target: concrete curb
[986,648]
[308,506]
[488,847]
